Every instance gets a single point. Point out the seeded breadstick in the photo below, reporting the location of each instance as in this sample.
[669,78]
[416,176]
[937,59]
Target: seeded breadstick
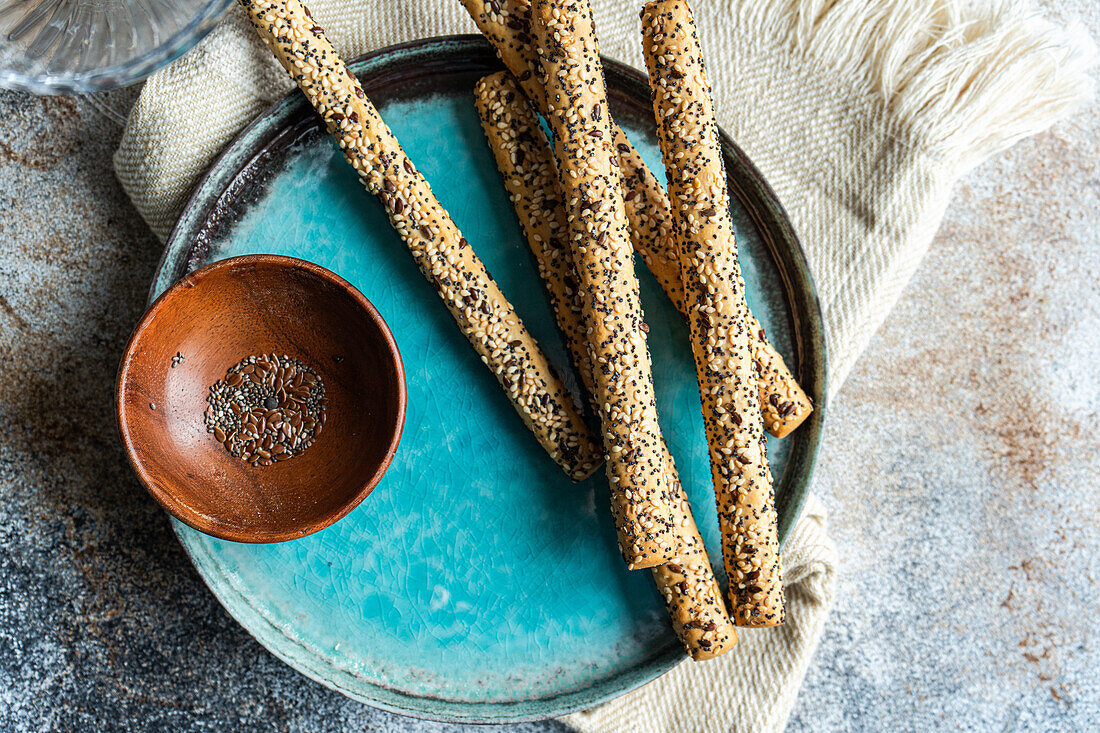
[526,163]
[691,592]
[600,248]
[783,403]
[486,318]
[714,292]
[506,24]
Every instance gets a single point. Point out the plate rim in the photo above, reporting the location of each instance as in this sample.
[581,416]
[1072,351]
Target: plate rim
[809,344]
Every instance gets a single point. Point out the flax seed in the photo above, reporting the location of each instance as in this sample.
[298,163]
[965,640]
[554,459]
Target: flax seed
[254,414]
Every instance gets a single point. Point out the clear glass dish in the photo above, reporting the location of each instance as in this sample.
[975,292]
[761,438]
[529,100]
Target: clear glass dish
[73,46]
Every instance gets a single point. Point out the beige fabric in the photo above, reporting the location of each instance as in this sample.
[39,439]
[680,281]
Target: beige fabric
[861,115]
[753,687]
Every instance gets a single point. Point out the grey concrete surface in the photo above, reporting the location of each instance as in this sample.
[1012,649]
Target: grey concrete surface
[960,468]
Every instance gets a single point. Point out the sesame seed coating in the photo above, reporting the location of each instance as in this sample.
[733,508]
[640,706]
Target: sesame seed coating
[486,318]
[784,404]
[691,593]
[714,295]
[525,160]
[506,25]
[599,243]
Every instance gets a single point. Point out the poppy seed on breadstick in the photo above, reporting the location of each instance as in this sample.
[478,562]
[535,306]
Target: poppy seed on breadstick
[506,24]
[525,160]
[599,244]
[714,296]
[486,318]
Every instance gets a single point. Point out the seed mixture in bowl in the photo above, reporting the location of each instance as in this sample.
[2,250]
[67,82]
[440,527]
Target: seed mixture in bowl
[267,408]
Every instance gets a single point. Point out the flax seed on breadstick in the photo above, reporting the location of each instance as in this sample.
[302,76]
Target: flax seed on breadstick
[506,24]
[784,404]
[526,164]
[485,316]
[599,243]
[714,293]
[691,592]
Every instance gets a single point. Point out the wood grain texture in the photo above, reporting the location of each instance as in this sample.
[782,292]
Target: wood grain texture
[215,317]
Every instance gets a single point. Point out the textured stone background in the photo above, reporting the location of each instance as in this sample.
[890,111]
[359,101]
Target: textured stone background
[960,467]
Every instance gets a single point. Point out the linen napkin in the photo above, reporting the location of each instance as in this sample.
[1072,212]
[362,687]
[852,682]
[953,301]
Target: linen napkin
[861,116]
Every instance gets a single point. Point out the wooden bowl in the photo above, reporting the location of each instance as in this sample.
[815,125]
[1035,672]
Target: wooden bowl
[250,306]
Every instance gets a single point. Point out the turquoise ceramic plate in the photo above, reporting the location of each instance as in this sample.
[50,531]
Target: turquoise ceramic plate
[476,583]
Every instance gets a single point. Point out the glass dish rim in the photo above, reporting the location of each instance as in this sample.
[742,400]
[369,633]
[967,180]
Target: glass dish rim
[123,74]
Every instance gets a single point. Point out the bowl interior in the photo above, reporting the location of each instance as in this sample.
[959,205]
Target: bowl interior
[220,315]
